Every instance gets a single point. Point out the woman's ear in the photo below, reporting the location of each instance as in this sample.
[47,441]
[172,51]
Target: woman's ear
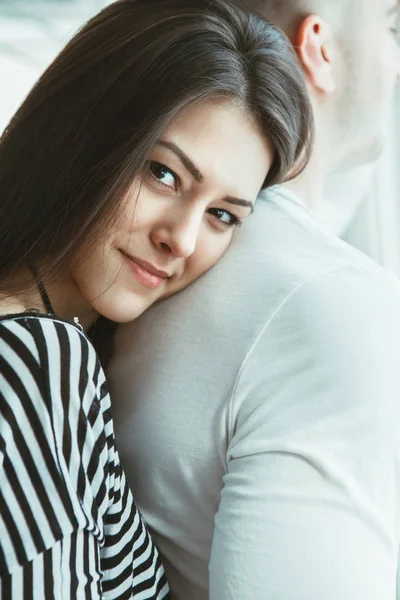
[314,45]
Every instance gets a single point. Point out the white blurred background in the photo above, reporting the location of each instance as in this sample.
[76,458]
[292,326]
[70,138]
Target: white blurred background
[363,205]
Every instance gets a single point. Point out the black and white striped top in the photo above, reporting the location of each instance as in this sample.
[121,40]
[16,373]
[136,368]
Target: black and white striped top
[69,528]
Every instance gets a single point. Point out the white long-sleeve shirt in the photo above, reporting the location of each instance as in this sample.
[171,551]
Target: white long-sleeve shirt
[257,415]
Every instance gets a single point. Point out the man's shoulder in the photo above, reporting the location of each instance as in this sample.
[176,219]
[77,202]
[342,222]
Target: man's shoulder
[336,337]
[280,248]
[286,241]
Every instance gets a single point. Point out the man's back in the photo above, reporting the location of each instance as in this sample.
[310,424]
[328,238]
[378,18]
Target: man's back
[274,380]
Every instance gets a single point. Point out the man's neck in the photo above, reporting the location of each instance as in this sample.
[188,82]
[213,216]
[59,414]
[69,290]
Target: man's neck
[309,185]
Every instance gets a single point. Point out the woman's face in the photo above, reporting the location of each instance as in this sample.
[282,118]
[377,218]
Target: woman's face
[202,181]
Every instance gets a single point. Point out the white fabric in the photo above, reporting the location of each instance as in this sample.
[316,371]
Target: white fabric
[266,397]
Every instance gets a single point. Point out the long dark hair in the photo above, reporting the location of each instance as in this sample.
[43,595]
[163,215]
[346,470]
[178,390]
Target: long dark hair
[87,128]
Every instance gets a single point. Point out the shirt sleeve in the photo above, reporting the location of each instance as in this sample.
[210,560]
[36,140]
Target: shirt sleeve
[130,562]
[310,504]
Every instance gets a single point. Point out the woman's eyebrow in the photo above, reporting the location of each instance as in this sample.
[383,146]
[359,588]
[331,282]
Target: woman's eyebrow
[185,160]
[194,171]
[239,202]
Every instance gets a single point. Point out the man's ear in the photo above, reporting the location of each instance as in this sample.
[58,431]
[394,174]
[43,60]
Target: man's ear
[314,46]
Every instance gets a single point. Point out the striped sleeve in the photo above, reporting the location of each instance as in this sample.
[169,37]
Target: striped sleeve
[68,524]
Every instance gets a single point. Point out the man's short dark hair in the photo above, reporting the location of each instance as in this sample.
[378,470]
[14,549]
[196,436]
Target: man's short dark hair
[281,12]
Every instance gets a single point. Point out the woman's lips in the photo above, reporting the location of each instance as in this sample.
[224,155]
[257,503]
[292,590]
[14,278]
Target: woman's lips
[145,273]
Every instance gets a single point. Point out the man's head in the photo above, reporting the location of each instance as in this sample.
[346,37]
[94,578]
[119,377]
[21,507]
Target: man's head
[351,60]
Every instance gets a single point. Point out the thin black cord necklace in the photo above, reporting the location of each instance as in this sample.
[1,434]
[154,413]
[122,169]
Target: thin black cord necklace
[45,297]
[42,291]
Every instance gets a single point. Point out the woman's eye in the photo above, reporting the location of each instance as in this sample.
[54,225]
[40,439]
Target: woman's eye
[225,217]
[163,175]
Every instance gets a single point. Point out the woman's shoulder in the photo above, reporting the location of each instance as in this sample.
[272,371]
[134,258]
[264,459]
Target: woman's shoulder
[30,319]
[49,348]
[43,331]
[50,375]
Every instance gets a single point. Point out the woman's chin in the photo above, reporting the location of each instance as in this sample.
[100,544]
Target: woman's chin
[123,309]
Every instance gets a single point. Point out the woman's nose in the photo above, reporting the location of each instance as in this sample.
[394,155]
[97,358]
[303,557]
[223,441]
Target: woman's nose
[178,238]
